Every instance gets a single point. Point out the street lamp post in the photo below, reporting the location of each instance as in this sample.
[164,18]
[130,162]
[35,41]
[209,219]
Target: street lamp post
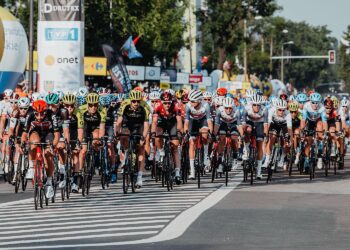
[31,45]
[282,60]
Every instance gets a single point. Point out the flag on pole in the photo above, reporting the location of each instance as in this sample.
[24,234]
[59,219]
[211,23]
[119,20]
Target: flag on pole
[129,48]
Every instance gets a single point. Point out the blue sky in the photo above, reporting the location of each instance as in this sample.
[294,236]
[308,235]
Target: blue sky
[333,13]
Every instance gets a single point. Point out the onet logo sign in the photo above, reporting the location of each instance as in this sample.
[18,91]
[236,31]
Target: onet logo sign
[51,60]
[49,8]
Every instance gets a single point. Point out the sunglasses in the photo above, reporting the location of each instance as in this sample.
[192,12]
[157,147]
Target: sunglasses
[113,103]
[13,102]
[93,105]
[154,101]
[135,101]
[194,102]
[281,110]
[328,107]
[23,108]
[228,108]
[207,99]
[166,103]
[256,105]
[293,112]
[315,103]
[69,105]
[39,114]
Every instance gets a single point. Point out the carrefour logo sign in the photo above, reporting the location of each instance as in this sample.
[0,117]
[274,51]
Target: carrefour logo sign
[61,34]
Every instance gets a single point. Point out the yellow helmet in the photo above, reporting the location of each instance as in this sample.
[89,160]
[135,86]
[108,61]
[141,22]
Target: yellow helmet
[135,95]
[69,99]
[335,101]
[92,98]
[179,94]
[293,106]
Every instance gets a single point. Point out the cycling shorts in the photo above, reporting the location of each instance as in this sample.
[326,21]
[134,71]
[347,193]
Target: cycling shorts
[258,129]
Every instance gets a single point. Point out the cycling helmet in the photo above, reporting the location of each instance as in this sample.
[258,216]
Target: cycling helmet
[135,95]
[83,91]
[178,94]
[52,98]
[166,97]
[184,98]
[36,96]
[228,102]
[345,103]
[92,98]
[138,88]
[207,94]
[291,98]
[39,106]
[310,92]
[221,91]
[250,92]
[14,97]
[255,99]
[315,97]
[24,102]
[8,93]
[335,101]
[155,95]
[281,104]
[170,91]
[195,95]
[81,100]
[302,98]
[328,103]
[293,106]
[103,91]
[105,100]
[69,99]
[218,100]
[259,92]
[120,97]
[243,101]
[60,94]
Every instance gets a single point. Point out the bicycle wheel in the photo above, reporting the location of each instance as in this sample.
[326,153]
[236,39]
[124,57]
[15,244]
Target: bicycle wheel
[126,176]
[252,165]
[103,172]
[18,174]
[214,162]
[197,167]
[226,164]
[184,164]
[10,170]
[291,161]
[23,176]
[245,171]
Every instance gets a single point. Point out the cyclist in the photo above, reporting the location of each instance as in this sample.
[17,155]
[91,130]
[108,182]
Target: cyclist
[17,122]
[69,101]
[228,120]
[61,113]
[91,124]
[133,116]
[280,123]
[197,119]
[296,118]
[167,117]
[333,122]
[255,119]
[344,115]
[314,120]
[41,126]
[301,99]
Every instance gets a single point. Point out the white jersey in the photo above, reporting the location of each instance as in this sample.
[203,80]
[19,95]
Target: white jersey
[286,118]
[260,116]
[344,114]
[223,117]
[197,113]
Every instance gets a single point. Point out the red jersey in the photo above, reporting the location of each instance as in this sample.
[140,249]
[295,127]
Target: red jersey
[171,113]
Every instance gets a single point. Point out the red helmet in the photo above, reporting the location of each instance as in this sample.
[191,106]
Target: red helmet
[39,106]
[138,88]
[328,103]
[221,91]
[166,97]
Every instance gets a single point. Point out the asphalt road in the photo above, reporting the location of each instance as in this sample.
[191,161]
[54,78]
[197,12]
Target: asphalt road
[289,213]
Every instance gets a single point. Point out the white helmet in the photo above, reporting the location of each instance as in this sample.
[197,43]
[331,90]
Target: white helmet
[250,92]
[170,91]
[255,99]
[59,93]
[36,96]
[23,102]
[8,93]
[195,95]
[345,103]
[154,95]
[281,104]
[218,100]
[228,102]
[207,94]
[83,91]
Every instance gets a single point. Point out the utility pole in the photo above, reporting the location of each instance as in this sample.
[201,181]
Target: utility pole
[245,50]
[31,44]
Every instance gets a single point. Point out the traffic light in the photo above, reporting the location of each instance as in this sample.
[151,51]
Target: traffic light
[331,56]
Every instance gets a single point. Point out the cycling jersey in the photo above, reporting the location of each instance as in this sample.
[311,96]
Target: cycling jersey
[111,116]
[260,116]
[223,117]
[344,115]
[47,125]
[133,117]
[89,122]
[62,118]
[198,113]
[280,120]
[332,118]
[313,115]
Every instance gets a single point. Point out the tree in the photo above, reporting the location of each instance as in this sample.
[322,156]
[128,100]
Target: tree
[344,59]
[222,25]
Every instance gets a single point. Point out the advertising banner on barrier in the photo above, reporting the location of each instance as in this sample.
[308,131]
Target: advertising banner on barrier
[60,55]
[152,73]
[61,10]
[136,73]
